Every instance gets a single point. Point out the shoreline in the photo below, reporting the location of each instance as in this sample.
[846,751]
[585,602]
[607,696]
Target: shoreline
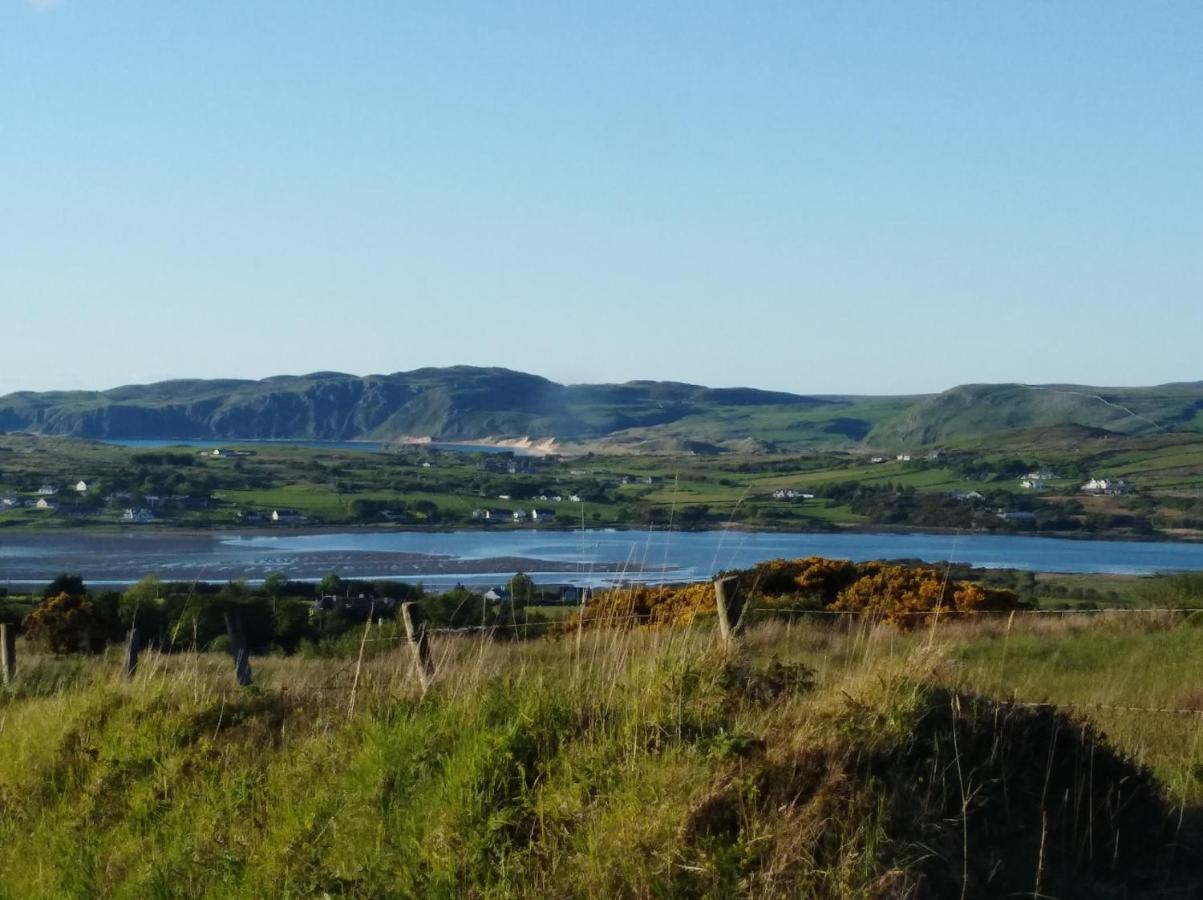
[98,530]
[592,556]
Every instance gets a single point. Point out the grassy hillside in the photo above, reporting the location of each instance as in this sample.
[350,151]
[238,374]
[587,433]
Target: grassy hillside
[983,409]
[457,403]
[466,403]
[822,760]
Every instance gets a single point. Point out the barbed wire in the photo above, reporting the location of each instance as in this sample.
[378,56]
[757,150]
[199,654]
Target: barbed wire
[394,688]
[951,611]
[397,685]
[552,625]
[1107,707]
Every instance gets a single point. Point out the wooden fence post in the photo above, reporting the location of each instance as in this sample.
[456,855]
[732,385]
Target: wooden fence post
[730,608]
[580,626]
[242,660]
[8,651]
[416,632]
[133,647]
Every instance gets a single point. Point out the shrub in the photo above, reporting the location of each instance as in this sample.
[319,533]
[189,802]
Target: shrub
[67,623]
[901,594]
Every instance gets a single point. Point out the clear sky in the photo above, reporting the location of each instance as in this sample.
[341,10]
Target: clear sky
[811,196]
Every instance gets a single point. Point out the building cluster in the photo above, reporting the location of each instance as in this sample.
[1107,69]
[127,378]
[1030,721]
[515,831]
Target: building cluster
[1036,481]
[43,497]
[496,516]
[46,498]
[967,496]
[1105,486]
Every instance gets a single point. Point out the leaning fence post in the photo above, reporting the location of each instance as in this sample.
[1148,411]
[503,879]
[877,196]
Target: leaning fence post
[730,607]
[8,651]
[580,626]
[133,646]
[242,661]
[418,640]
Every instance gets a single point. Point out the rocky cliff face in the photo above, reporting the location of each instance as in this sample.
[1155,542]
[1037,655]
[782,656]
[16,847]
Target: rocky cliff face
[459,403]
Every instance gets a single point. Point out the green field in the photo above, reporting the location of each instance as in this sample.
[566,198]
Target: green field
[422,487]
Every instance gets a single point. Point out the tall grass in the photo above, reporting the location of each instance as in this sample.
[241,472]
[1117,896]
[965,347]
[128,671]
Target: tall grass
[629,763]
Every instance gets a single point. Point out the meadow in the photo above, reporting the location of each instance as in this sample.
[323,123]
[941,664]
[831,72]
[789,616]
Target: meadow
[1044,754]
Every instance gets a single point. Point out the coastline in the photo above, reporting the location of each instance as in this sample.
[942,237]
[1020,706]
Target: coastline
[738,527]
[591,557]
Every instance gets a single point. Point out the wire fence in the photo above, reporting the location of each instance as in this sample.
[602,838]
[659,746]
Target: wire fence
[603,620]
[565,627]
[349,677]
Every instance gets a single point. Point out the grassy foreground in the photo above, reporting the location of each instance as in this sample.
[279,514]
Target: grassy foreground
[821,760]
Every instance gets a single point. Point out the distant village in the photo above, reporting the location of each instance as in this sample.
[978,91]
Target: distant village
[544,491]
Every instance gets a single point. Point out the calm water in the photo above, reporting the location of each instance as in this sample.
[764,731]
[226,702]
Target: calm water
[358,446]
[589,557]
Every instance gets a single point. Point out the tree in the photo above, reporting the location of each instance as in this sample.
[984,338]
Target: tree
[142,606]
[427,509]
[521,589]
[291,623]
[65,584]
[275,585]
[330,584]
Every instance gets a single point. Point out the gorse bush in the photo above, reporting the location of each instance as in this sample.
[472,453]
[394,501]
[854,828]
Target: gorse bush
[902,595]
[907,595]
[67,623]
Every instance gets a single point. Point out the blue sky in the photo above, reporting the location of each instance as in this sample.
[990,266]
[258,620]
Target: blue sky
[818,197]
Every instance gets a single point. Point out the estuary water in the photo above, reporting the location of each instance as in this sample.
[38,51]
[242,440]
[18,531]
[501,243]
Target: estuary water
[589,557]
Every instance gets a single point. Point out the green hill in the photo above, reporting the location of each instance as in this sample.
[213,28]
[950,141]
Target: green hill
[468,403]
[457,403]
[980,409]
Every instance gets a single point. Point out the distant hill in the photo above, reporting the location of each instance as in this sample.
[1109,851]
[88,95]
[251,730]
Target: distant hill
[468,403]
[456,403]
[980,409]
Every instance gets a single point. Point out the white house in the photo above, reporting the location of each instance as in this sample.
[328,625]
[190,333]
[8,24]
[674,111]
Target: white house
[287,517]
[520,515]
[138,515]
[1032,483]
[791,494]
[81,487]
[904,457]
[43,503]
[1104,486]
[543,515]
[47,490]
[574,498]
